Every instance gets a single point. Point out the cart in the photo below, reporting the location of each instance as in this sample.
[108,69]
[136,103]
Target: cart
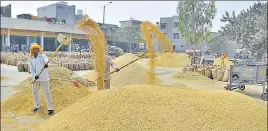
[253,73]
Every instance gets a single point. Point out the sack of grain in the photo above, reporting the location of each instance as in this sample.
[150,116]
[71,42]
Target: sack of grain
[81,66]
[226,76]
[86,65]
[76,67]
[91,66]
[71,66]
[195,68]
[201,71]
[26,67]
[208,73]
[214,73]
[13,61]
[190,69]
[184,68]
[20,66]
[65,65]
[220,74]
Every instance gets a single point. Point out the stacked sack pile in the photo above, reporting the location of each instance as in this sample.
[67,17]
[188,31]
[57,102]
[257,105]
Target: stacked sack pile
[219,71]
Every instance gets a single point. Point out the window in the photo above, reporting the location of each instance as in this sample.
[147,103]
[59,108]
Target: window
[176,24]
[163,25]
[181,45]
[176,36]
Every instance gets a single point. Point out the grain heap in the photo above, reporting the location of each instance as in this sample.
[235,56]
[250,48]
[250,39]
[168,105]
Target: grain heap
[144,107]
[57,76]
[132,74]
[63,93]
[174,60]
[194,76]
[98,42]
[149,30]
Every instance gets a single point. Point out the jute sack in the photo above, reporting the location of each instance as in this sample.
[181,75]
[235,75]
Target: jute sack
[26,67]
[86,65]
[214,73]
[20,66]
[201,71]
[91,66]
[208,73]
[195,69]
[220,74]
[190,69]
[184,68]
[65,65]
[76,67]
[81,66]
[226,76]
[13,62]
[71,66]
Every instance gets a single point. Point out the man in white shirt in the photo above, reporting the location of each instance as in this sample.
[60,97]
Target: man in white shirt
[37,62]
[109,63]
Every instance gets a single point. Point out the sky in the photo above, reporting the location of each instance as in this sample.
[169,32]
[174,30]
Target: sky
[124,10]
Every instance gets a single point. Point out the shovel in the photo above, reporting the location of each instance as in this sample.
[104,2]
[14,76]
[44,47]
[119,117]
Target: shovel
[64,40]
[126,64]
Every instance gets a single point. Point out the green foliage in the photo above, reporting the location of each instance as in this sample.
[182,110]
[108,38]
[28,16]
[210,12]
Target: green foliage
[195,20]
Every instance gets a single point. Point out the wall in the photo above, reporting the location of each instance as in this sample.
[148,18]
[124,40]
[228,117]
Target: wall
[58,11]
[6,10]
[65,12]
[47,11]
[169,30]
[125,24]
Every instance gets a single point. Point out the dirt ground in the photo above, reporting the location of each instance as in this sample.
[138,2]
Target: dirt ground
[165,74]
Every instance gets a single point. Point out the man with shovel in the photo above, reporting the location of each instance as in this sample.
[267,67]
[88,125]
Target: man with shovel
[109,63]
[37,62]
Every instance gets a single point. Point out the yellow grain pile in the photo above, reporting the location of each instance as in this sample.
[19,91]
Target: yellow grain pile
[98,42]
[62,96]
[193,76]
[174,60]
[149,30]
[131,74]
[57,76]
[144,107]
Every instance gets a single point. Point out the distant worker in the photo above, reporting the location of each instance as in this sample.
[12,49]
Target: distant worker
[37,62]
[109,63]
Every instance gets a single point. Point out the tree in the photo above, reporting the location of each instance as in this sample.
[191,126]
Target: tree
[128,36]
[195,20]
[249,28]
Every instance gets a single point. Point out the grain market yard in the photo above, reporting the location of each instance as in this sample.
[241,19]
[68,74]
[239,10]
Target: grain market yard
[163,73]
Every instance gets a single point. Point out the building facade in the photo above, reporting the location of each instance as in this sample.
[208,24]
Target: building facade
[61,11]
[169,27]
[130,23]
[20,33]
[6,10]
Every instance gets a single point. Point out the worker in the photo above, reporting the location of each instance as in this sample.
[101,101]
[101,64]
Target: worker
[109,63]
[37,62]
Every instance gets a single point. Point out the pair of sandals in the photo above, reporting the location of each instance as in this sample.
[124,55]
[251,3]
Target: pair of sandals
[50,112]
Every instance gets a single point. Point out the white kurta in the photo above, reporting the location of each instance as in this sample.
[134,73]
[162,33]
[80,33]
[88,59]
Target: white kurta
[36,65]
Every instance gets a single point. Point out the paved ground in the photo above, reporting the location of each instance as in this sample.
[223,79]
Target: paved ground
[165,74]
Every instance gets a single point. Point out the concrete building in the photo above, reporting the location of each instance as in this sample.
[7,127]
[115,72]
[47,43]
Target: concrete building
[6,10]
[61,11]
[19,33]
[169,26]
[24,16]
[130,23]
